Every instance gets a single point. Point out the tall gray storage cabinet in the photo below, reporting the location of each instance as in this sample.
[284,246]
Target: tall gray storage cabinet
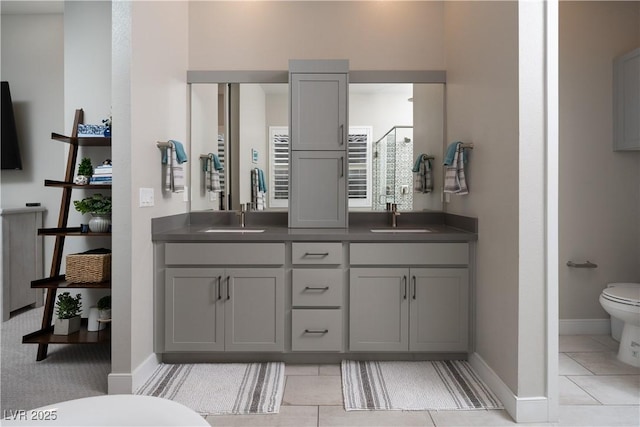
[318,143]
[626,102]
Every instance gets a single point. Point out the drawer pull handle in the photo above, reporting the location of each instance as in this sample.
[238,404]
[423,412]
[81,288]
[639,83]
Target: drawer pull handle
[316,331]
[322,254]
[219,287]
[316,288]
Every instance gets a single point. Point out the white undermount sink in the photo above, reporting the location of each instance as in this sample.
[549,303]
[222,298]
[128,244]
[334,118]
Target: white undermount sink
[400,230]
[232,230]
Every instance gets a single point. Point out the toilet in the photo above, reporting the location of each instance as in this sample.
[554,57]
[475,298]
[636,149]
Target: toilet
[622,301]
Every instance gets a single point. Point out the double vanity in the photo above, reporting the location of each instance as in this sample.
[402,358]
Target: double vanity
[322,279]
[228,293]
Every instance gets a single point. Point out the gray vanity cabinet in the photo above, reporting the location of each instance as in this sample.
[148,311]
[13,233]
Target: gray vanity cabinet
[439,309]
[419,303]
[626,102]
[318,110]
[318,189]
[318,117]
[239,309]
[409,309]
[194,315]
[378,309]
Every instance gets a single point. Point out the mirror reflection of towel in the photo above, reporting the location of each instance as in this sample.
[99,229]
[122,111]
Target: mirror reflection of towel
[212,166]
[422,175]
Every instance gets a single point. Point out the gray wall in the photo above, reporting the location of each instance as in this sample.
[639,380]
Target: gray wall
[149,101]
[482,107]
[36,81]
[68,66]
[599,188]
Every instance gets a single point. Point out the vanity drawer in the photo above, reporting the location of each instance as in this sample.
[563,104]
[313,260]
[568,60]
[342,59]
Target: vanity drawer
[317,287]
[224,253]
[316,330]
[409,254]
[316,253]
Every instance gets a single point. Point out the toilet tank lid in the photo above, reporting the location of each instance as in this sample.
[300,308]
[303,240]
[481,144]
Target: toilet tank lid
[625,291]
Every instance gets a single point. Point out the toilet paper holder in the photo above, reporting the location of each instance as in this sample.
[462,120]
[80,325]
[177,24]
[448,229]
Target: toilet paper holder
[587,264]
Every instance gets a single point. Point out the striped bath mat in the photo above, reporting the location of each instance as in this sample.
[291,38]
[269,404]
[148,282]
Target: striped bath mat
[414,386]
[220,388]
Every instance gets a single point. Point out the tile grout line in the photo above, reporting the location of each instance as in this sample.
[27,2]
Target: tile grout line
[581,388]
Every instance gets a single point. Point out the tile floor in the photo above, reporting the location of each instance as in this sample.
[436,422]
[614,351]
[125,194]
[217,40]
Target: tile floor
[595,390]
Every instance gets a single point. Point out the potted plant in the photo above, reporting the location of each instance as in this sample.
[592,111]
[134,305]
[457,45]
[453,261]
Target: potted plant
[99,207]
[68,310]
[85,171]
[104,308]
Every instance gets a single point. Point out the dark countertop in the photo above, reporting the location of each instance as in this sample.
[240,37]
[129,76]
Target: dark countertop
[190,228]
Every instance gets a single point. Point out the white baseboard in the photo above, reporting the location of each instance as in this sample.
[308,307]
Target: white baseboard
[126,383]
[584,327]
[142,373]
[522,410]
[119,383]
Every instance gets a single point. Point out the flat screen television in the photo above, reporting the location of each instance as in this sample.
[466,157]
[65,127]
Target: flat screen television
[10,145]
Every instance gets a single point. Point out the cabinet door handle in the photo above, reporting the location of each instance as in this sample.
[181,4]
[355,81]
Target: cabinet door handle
[404,280]
[341,167]
[228,293]
[414,287]
[219,287]
[316,331]
[341,130]
[316,288]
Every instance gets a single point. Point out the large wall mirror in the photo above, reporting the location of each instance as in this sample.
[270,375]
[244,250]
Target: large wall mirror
[239,142]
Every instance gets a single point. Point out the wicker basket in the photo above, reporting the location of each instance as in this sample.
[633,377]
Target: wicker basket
[88,267]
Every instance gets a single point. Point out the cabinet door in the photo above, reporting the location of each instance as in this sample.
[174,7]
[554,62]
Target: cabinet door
[626,102]
[318,111]
[378,309]
[318,185]
[194,309]
[254,309]
[439,309]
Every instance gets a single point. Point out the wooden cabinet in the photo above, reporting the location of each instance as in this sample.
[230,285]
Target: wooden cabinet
[409,309]
[319,129]
[626,102]
[215,309]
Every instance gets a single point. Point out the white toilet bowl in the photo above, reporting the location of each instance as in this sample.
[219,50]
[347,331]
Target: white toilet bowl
[622,301]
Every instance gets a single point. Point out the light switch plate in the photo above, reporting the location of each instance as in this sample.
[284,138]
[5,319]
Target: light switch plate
[146,197]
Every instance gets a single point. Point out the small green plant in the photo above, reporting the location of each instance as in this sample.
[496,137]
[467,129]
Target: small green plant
[104,303]
[85,167]
[68,306]
[96,204]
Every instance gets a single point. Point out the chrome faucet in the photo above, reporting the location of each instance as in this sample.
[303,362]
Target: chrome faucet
[394,215]
[241,214]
